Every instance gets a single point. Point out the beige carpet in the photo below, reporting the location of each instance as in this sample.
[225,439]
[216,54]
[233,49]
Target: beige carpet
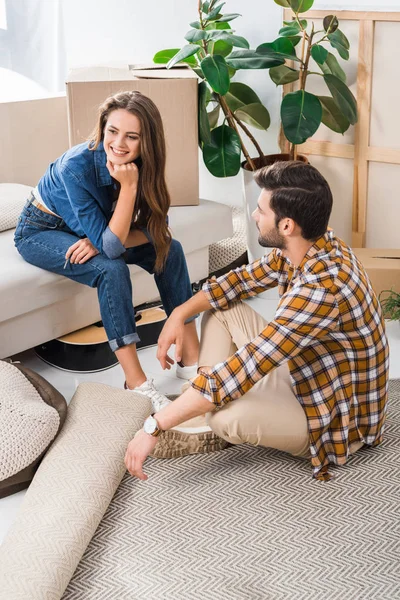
[70,493]
[242,524]
[250,524]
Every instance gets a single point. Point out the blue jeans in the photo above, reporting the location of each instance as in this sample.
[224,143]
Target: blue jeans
[43,240]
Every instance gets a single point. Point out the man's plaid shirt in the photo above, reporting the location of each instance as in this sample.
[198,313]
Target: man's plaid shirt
[329,327]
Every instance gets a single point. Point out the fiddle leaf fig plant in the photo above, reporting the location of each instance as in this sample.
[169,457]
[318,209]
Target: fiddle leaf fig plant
[215,52]
[302,112]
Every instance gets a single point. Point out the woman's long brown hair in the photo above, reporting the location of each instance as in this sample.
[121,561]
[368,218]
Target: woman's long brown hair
[153,199]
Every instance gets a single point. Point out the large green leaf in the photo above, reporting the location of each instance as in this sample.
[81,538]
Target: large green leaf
[343,97]
[213,116]
[215,12]
[339,41]
[229,17]
[290,30]
[332,67]
[255,115]
[164,56]
[332,116]
[250,59]
[229,38]
[204,126]
[319,54]
[222,155]
[283,74]
[222,48]
[300,6]
[195,35]
[240,95]
[330,23]
[186,51]
[301,114]
[280,48]
[216,72]
[216,25]
[195,25]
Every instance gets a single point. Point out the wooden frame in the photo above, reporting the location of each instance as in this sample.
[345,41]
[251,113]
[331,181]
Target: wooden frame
[361,152]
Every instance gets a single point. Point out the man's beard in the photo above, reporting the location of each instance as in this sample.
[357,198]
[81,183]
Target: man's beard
[273,239]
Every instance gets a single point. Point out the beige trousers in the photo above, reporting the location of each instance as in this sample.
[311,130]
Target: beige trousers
[269,414]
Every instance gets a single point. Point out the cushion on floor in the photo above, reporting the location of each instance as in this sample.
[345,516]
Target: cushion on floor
[32,413]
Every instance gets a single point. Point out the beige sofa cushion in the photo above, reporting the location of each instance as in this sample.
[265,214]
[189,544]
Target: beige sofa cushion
[12,200]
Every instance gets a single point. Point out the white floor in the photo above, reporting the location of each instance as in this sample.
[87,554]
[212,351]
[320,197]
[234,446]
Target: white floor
[166,381]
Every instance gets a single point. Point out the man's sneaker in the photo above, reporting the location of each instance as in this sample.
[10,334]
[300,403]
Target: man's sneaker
[192,437]
[148,389]
[186,372]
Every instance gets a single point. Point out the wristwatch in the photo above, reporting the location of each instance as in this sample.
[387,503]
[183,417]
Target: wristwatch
[151,427]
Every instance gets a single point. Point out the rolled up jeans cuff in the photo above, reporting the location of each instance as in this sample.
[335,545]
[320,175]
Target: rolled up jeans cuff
[190,319]
[125,340]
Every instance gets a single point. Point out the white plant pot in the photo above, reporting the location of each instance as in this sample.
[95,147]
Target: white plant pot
[251,192]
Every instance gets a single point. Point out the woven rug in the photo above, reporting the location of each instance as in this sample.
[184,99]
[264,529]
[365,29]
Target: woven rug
[250,524]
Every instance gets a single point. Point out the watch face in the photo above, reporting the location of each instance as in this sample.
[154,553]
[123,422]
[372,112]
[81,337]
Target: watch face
[150,425]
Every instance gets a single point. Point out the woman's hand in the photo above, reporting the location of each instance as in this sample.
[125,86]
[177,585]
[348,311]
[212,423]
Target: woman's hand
[81,251]
[172,333]
[127,175]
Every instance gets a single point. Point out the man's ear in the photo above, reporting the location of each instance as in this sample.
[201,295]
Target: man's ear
[287,226]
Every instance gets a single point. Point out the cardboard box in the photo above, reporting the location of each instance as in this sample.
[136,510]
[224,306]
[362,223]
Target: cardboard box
[42,124]
[175,94]
[382,266]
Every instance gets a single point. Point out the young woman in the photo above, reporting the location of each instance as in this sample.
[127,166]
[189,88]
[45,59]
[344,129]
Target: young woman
[103,205]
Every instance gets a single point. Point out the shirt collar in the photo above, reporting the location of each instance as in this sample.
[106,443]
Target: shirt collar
[322,243]
[103,176]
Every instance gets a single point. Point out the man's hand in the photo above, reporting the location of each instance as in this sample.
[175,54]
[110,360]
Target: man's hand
[172,333]
[81,251]
[127,175]
[138,450]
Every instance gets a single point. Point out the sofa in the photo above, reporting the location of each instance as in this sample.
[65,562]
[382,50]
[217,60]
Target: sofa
[37,306]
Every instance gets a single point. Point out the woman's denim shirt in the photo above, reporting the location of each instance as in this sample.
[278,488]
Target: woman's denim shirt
[79,188]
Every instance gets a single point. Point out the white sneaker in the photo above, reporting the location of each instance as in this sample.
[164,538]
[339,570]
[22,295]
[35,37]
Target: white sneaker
[186,372]
[148,389]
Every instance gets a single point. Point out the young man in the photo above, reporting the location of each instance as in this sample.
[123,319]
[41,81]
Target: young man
[312,382]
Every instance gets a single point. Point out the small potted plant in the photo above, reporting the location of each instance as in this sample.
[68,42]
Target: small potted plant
[215,52]
[390,302]
[301,111]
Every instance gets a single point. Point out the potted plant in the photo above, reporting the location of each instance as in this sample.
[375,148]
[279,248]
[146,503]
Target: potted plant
[390,302]
[301,111]
[215,52]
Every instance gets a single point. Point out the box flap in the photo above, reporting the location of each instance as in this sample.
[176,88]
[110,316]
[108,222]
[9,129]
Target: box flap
[154,71]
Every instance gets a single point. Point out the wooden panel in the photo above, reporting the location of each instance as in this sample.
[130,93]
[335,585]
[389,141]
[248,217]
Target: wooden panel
[364,86]
[384,155]
[323,148]
[353,15]
[382,229]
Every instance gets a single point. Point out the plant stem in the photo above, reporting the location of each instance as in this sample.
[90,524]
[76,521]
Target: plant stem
[249,135]
[231,120]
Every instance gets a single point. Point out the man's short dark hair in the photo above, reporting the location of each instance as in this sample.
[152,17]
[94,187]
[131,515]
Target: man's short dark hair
[299,192]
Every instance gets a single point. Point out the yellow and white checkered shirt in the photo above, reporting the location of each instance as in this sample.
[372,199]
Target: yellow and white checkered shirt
[330,329]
